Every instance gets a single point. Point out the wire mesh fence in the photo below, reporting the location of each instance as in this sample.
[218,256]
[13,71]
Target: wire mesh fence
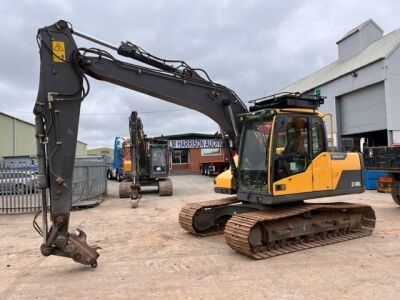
[19,192]
[90,178]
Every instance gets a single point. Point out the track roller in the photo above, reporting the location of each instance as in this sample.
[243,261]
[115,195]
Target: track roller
[165,187]
[125,189]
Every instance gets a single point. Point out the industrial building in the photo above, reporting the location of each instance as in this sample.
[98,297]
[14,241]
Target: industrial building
[17,138]
[362,88]
[109,152]
[190,150]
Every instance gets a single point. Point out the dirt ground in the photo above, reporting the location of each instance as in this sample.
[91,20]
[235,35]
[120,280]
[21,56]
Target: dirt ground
[146,255]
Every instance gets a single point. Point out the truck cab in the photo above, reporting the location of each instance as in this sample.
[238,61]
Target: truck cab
[121,157]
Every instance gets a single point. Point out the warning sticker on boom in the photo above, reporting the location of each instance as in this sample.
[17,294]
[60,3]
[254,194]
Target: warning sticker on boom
[58,48]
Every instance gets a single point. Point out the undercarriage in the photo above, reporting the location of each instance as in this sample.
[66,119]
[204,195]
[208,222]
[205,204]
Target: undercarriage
[260,231]
[128,189]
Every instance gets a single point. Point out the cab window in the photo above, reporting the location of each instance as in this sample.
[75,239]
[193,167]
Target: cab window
[317,136]
[292,146]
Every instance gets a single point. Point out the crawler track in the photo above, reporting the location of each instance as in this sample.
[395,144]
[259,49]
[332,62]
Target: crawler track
[241,229]
[188,212]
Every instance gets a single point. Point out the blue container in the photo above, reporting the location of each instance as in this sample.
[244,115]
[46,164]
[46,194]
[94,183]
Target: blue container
[371,178]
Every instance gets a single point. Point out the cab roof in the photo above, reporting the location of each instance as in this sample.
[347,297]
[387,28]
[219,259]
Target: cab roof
[287,100]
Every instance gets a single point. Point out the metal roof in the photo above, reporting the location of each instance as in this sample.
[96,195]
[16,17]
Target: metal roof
[358,28]
[378,50]
[17,119]
[100,148]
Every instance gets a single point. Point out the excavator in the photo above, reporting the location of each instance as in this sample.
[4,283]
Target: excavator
[281,141]
[147,163]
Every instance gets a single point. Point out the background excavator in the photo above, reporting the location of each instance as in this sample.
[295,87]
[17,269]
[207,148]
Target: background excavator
[146,165]
[281,141]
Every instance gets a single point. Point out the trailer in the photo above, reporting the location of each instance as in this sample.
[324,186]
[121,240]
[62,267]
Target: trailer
[215,166]
[385,159]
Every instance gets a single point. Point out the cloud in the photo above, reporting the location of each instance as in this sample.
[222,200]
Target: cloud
[253,47]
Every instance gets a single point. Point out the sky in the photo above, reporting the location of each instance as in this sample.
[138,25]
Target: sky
[253,47]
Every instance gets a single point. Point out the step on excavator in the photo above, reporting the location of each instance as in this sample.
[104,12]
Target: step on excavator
[147,163]
[283,156]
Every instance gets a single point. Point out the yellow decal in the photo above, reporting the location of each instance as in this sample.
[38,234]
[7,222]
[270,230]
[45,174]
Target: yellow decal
[58,51]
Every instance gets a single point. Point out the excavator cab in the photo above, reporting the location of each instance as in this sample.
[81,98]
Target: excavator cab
[284,156]
[278,148]
[159,166]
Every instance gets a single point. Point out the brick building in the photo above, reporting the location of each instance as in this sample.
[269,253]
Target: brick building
[190,150]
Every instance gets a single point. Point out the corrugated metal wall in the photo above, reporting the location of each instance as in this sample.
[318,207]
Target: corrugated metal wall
[363,110]
[366,76]
[81,149]
[6,136]
[101,151]
[392,86]
[24,138]
[18,138]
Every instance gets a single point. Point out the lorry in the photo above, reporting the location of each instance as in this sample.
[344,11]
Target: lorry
[214,166]
[121,151]
[283,156]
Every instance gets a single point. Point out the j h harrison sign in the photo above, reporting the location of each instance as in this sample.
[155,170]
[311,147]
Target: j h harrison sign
[195,143]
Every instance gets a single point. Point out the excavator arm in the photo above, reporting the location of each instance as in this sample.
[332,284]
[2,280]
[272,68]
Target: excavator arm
[64,85]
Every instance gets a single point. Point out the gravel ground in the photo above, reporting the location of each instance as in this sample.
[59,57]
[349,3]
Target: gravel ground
[146,255]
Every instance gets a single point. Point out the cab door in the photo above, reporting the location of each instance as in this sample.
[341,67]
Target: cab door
[292,173]
[321,159]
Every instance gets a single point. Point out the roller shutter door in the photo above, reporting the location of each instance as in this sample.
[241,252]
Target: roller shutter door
[363,110]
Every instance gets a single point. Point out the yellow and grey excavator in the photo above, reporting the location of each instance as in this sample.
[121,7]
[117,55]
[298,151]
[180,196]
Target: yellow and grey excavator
[281,143]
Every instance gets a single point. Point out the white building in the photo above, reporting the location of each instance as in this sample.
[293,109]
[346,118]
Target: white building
[17,138]
[362,87]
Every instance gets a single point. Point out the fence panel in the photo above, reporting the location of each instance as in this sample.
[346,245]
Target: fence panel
[90,179]
[19,194]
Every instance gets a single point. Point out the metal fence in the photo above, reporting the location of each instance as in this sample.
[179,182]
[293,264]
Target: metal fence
[90,178]
[19,194]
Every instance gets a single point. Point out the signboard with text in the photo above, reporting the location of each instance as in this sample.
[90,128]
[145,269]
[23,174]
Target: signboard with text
[195,143]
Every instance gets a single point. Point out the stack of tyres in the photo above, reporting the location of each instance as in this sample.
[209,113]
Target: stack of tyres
[385,184]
